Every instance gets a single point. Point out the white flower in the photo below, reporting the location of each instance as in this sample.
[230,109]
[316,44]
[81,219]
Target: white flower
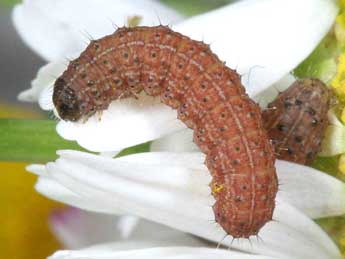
[334,142]
[77,229]
[172,189]
[107,252]
[265,40]
[316,194]
[59,29]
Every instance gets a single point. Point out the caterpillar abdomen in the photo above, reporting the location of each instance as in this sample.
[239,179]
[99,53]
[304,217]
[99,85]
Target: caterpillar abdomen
[209,98]
[297,119]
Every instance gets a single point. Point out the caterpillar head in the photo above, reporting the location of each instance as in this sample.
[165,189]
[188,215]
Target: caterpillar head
[66,102]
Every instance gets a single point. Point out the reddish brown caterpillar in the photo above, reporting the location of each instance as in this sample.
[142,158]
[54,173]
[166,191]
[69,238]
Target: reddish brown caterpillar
[209,98]
[296,121]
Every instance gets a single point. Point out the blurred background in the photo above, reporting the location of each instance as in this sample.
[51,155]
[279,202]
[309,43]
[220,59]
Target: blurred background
[24,230]
[18,64]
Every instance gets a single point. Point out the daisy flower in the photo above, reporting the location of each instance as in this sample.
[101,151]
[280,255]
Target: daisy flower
[264,40]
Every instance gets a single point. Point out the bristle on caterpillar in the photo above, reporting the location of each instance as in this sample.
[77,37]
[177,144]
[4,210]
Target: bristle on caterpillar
[209,98]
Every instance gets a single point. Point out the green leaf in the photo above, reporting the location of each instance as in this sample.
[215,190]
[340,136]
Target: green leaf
[194,7]
[141,148]
[37,141]
[334,226]
[322,61]
[334,141]
[327,164]
[9,3]
[31,140]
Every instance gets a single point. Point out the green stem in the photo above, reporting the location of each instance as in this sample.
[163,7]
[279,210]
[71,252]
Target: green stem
[37,141]
[31,140]
[192,7]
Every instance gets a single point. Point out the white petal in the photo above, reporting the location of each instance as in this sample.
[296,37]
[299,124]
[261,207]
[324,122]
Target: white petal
[180,141]
[58,29]
[125,123]
[127,225]
[77,228]
[273,53]
[55,191]
[156,253]
[268,95]
[333,119]
[110,153]
[44,81]
[334,141]
[37,169]
[178,196]
[58,192]
[315,193]
[125,116]
[263,39]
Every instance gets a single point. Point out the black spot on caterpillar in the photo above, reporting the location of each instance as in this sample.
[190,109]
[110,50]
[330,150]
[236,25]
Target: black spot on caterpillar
[209,98]
[297,119]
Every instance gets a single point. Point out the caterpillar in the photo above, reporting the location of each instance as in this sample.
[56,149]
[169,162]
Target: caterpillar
[297,119]
[209,98]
